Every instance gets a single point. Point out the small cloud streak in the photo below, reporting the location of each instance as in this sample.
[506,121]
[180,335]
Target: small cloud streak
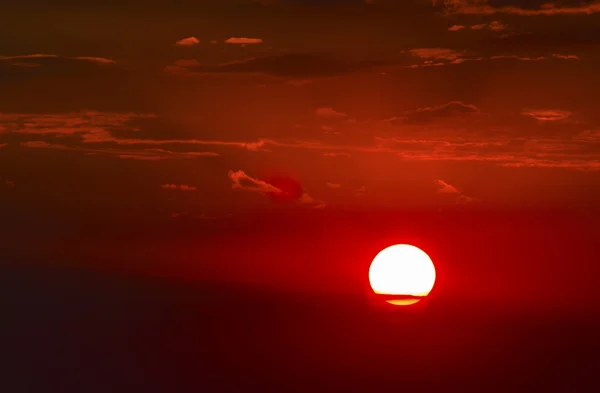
[334,186]
[251,184]
[7,183]
[99,60]
[242,181]
[36,144]
[38,56]
[479,7]
[243,41]
[545,115]
[436,53]
[494,26]
[329,112]
[456,27]
[565,57]
[515,57]
[182,187]
[337,154]
[189,41]
[447,188]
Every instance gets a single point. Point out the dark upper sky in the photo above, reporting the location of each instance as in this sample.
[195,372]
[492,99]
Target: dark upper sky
[194,111]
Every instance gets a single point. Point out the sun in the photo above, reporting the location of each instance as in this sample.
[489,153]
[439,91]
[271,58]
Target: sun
[402,272]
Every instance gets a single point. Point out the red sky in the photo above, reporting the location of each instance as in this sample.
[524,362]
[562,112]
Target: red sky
[186,115]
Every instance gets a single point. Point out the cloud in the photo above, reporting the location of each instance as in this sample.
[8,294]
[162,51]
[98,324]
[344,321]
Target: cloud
[333,185]
[243,41]
[3,145]
[41,57]
[337,154]
[141,155]
[329,112]
[83,122]
[446,188]
[456,27]
[565,57]
[449,189]
[26,57]
[182,187]
[427,134]
[286,189]
[289,65]
[437,57]
[48,65]
[547,114]
[427,114]
[7,183]
[189,41]
[497,26]
[588,136]
[436,53]
[309,200]
[93,131]
[494,26]
[99,60]
[515,57]
[242,181]
[36,144]
[480,7]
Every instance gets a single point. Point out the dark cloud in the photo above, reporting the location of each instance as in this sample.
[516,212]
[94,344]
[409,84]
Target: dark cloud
[521,8]
[444,111]
[286,65]
[20,67]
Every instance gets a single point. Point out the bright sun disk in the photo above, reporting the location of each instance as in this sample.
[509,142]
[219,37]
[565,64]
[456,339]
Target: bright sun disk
[402,270]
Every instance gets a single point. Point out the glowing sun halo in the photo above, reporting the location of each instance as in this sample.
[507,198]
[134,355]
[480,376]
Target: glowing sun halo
[402,270]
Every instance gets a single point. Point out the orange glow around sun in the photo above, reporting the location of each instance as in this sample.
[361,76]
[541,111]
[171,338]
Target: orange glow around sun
[402,270]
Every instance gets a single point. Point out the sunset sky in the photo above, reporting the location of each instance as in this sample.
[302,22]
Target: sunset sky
[192,115]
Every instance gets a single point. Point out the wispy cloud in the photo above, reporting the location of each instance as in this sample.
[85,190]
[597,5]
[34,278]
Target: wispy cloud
[242,181]
[333,185]
[428,134]
[516,57]
[436,53]
[447,188]
[494,26]
[7,183]
[99,60]
[189,41]
[456,27]
[243,40]
[337,154]
[42,56]
[438,57]
[181,187]
[295,66]
[329,112]
[481,7]
[565,57]
[547,114]
[141,155]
